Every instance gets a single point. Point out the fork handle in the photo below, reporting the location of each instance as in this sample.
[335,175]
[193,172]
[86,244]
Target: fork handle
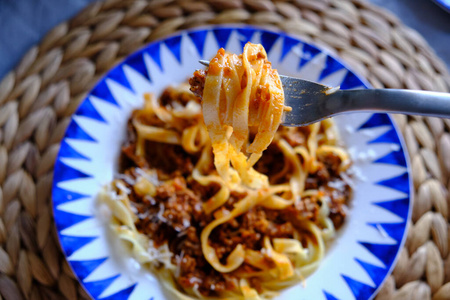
[393,100]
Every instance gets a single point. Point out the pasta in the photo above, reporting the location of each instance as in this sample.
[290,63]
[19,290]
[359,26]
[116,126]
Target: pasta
[217,199]
[240,93]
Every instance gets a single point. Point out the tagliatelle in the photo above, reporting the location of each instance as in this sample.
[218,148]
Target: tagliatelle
[242,92]
[217,199]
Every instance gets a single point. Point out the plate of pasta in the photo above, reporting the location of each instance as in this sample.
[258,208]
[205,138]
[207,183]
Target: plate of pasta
[175,181]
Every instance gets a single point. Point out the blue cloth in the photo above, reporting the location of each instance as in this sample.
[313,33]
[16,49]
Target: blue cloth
[23,23]
[428,18]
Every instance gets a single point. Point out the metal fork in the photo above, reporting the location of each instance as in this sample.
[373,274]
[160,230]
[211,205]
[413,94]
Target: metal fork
[312,102]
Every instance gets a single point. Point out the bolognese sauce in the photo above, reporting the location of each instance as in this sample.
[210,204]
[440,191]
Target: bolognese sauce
[174,213]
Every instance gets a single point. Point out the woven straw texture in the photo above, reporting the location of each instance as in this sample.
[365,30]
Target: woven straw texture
[39,96]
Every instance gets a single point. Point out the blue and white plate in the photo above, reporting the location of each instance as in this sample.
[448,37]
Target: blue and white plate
[366,248]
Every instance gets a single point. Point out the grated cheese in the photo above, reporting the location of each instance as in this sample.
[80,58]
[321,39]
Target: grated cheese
[127,178]
[121,186]
[151,177]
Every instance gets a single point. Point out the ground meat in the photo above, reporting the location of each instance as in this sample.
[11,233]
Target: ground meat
[285,230]
[170,212]
[311,183]
[177,95]
[319,178]
[235,196]
[338,197]
[129,156]
[295,137]
[306,209]
[250,228]
[188,264]
[332,163]
[204,191]
[337,215]
[189,244]
[197,82]
[271,163]
[175,214]
[323,174]
[195,271]
[256,284]
[338,203]
[169,158]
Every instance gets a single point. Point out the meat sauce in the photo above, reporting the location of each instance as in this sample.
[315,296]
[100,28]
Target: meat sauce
[174,214]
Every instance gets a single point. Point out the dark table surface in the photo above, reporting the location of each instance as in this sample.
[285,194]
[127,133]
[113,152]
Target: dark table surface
[23,23]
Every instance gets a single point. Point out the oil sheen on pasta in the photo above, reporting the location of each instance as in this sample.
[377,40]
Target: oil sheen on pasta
[225,204]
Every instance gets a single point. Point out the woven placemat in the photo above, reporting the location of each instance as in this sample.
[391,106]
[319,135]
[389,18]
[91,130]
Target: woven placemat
[39,96]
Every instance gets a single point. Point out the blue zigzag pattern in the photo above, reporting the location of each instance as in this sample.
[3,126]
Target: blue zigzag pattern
[62,173]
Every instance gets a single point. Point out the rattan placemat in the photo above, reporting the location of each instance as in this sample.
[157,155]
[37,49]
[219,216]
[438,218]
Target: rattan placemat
[39,96]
